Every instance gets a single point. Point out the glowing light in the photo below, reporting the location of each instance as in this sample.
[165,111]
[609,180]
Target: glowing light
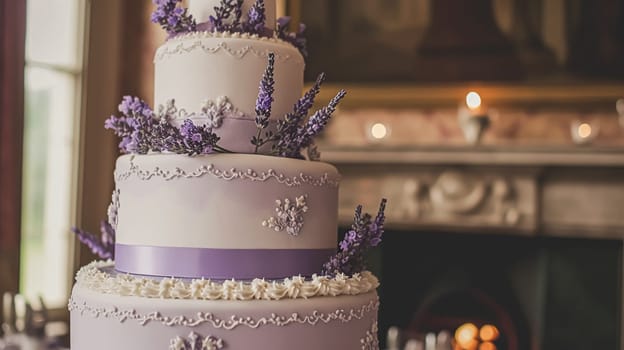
[466,335]
[487,346]
[379,131]
[488,333]
[584,130]
[473,100]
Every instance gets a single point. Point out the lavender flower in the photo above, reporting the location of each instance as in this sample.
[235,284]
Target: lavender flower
[223,12]
[172,18]
[265,94]
[141,131]
[364,234]
[195,139]
[133,126]
[287,128]
[104,247]
[256,18]
[264,103]
[297,39]
[317,123]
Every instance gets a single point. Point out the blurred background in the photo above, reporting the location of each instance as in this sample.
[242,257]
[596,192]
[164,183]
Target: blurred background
[494,127]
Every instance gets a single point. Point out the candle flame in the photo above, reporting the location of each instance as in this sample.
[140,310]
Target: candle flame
[473,100]
[379,131]
[584,130]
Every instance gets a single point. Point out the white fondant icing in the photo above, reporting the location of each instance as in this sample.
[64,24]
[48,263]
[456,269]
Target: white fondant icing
[94,278]
[193,68]
[170,200]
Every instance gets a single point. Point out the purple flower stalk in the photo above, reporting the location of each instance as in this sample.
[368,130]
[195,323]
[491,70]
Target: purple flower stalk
[365,233]
[263,104]
[297,39]
[172,18]
[288,127]
[104,247]
[197,139]
[256,18]
[265,94]
[142,132]
[134,126]
[223,12]
[317,122]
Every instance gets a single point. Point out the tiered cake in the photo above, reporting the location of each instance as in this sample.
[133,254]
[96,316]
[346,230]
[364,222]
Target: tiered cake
[224,235]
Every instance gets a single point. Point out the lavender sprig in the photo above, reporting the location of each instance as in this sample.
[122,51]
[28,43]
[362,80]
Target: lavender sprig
[363,235]
[134,126]
[223,12]
[141,132]
[264,101]
[172,18]
[287,128]
[256,18]
[316,123]
[104,247]
[297,39]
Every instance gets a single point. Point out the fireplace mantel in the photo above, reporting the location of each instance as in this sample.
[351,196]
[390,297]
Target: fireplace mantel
[571,192]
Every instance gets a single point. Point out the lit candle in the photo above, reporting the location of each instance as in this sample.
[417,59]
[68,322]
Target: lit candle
[583,133]
[473,102]
[473,117]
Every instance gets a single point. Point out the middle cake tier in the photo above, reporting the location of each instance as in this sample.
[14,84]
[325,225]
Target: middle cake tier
[223,216]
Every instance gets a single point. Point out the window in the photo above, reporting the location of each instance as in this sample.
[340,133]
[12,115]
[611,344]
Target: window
[53,75]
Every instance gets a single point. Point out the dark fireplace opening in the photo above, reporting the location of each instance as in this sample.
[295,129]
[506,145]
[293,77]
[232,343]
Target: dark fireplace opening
[530,292]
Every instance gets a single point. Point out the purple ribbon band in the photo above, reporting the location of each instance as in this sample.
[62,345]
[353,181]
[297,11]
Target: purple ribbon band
[219,263]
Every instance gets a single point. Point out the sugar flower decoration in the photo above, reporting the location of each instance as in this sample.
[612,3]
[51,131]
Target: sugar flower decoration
[195,341]
[288,215]
[103,246]
[172,18]
[365,233]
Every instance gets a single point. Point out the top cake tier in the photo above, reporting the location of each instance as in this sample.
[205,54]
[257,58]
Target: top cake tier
[201,10]
[208,72]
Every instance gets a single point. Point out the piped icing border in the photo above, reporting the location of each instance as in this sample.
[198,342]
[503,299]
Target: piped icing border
[228,175]
[180,44]
[341,315]
[93,277]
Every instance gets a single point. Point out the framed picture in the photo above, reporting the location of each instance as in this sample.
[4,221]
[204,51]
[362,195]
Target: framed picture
[398,41]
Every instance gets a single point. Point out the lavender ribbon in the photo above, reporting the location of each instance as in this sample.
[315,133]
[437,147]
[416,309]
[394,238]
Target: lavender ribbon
[240,264]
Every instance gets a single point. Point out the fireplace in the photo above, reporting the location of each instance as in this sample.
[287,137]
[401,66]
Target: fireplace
[525,243]
[539,293]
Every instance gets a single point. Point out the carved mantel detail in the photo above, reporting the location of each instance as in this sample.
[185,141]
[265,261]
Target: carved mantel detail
[552,193]
[453,197]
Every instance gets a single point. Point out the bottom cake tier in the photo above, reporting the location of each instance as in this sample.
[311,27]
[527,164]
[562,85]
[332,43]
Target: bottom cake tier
[102,320]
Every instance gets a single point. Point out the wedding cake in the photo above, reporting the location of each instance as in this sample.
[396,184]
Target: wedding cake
[222,229]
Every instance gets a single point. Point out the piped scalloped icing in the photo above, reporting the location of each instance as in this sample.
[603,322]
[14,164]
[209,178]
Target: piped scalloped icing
[98,277]
[193,41]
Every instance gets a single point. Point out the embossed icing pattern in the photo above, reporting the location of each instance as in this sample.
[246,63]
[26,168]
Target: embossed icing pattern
[340,315]
[232,174]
